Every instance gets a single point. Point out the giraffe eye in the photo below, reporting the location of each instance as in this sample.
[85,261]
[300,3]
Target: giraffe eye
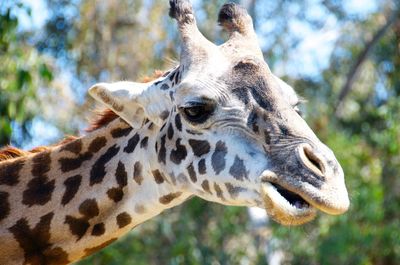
[197,112]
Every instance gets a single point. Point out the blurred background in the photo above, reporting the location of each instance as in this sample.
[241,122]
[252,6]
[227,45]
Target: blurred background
[342,56]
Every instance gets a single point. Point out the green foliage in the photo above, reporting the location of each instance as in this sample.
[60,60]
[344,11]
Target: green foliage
[22,72]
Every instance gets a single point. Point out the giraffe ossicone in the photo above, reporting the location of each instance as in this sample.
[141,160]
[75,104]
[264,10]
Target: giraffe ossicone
[219,126]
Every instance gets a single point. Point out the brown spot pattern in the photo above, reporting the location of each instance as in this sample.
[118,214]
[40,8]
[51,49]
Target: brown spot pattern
[4,205]
[36,244]
[218,157]
[120,132]
[178,154]
[199,147]
[202,166]
[162,154]
[233,190]
[79,226]
[69,164]
[115,194]
[73,147]
[206,186]
[170,131]
[9,172]
[166,199]
[144,142]
[137,172]
[238,169]
[72,185]
[121,175]
[158,176]
[123,219]
[89,208]
[218,191]
[192,173]
[130,147]
[178,122]
[98,229]
[39,191]
[98,171]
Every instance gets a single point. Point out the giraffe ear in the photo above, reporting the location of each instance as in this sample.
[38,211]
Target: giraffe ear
[132,101]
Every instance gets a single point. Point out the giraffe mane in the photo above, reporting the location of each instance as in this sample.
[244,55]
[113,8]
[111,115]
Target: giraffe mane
[102,118]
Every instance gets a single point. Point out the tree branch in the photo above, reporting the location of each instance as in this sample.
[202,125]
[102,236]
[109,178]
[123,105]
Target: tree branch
[351,76]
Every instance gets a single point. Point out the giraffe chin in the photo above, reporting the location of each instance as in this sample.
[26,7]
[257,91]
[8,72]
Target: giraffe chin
[285,211]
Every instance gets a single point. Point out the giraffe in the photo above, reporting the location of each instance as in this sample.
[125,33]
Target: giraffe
[219,126]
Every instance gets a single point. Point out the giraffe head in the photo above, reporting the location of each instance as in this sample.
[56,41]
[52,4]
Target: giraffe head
[227,129]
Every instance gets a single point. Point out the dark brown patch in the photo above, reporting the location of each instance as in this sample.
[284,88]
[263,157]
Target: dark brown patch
[39,191]
[89,208]
[218,157]
[4,205]
[121,175]
[233,190]
[130,147]
[170,131]
[199,147]
[169,197]
[120,132]
[98,171]
[206,186]
[192,173]
[9,172]
[162,154]
[55,256]
[202,166]
[90,251]
[73,147]
[178,122]
[77,226]
[144,142]
[178,154]
[97,144]
[137,172]
[238,169]
[98,229]
[158,176]
[219,191]
[41,164]
[115,194]
[68,164]
[35,242]
[71,188]
[164,115]
[123,219]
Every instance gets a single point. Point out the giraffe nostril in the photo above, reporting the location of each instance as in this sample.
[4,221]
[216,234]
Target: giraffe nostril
[311,160]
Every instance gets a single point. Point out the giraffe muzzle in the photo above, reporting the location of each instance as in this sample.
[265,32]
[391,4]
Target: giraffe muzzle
[293,198]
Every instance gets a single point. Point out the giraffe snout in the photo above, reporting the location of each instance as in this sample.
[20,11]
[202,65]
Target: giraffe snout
[312,159]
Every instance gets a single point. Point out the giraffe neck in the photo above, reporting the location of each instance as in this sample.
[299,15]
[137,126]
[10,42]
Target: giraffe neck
[75,199]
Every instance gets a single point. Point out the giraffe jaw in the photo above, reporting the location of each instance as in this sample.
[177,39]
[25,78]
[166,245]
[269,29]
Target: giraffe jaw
[286,207]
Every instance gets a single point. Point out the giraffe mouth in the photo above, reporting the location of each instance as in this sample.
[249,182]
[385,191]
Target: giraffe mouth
[285,206]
